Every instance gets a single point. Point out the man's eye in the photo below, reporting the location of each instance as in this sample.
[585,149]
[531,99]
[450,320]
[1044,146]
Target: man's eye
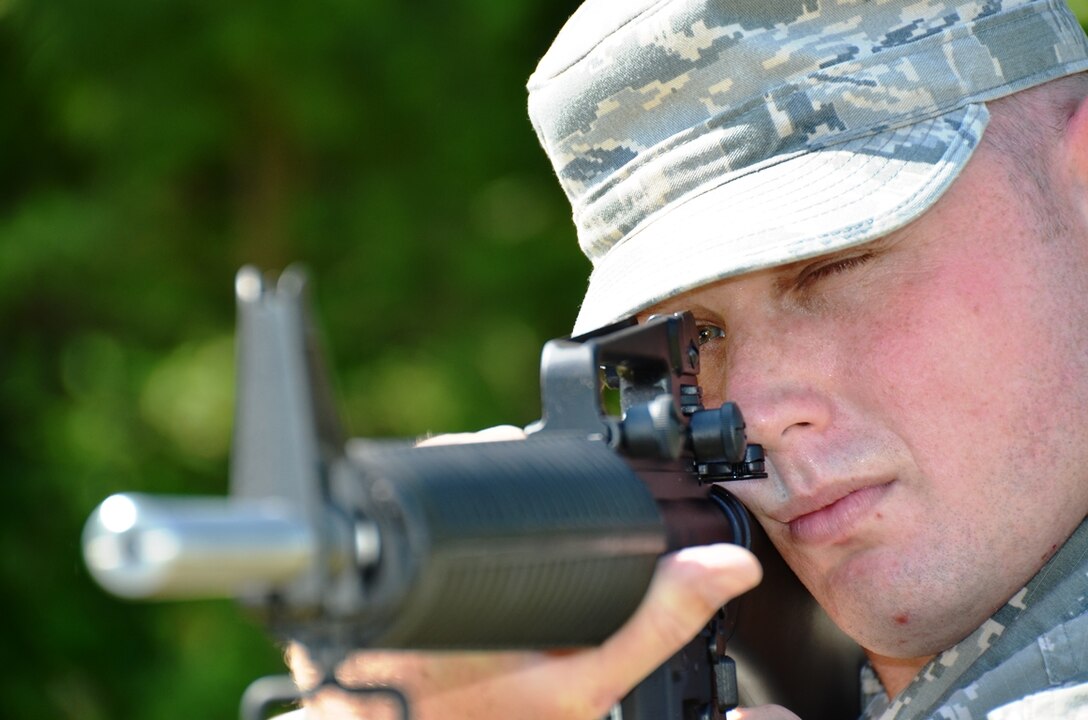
[708,333]
[819,271]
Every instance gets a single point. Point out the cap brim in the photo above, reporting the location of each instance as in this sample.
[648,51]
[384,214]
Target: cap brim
[794,208]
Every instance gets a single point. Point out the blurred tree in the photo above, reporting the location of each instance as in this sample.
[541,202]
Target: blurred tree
[149,149]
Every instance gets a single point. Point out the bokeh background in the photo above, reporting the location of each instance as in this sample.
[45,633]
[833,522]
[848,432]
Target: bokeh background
[147,150]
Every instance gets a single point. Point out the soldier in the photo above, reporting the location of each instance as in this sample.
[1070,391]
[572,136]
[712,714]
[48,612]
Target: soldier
[878,213]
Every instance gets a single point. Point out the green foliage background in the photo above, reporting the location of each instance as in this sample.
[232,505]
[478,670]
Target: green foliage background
[147,150]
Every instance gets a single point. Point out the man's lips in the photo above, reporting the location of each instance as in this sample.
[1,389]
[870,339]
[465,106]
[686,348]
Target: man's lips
[831,515]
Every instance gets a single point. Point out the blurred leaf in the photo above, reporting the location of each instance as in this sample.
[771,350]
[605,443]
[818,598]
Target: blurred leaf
[189,397]
[152,148]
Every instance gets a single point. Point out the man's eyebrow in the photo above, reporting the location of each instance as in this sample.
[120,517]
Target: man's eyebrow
[877,245]
[780,273]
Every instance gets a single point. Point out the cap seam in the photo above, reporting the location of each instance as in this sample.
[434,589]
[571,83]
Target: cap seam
[968,117]
[656,7]
[724,179]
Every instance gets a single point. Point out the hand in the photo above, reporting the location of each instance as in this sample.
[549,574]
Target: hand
[687,589]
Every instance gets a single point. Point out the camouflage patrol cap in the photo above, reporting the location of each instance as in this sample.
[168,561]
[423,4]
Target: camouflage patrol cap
[700,139]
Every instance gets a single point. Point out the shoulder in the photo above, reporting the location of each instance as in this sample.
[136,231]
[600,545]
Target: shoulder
[1058,664]
[1063,702]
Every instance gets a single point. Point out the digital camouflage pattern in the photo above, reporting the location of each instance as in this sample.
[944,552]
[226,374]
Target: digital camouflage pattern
[1029,660]
[644,106]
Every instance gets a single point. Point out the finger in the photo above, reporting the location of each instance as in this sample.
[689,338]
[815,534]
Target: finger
[497,433]
[688,588]
[437,685]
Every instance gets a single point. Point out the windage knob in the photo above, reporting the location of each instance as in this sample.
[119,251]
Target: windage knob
[721,448]
[717,435]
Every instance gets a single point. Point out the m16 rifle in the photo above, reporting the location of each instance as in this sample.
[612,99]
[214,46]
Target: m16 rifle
[543,543]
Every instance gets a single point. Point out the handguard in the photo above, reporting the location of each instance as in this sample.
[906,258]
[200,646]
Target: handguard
[544,543]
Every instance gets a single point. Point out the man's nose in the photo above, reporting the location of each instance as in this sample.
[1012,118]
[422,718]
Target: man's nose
[784,393]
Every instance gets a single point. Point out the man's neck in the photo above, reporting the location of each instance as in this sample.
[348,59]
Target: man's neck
[896,673]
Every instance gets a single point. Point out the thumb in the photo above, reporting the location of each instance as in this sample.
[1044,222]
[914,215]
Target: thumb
[687,589]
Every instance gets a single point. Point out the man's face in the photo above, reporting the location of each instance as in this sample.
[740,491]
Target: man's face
[922,402]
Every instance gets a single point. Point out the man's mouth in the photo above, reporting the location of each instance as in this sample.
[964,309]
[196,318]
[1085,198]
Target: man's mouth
[832,518]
